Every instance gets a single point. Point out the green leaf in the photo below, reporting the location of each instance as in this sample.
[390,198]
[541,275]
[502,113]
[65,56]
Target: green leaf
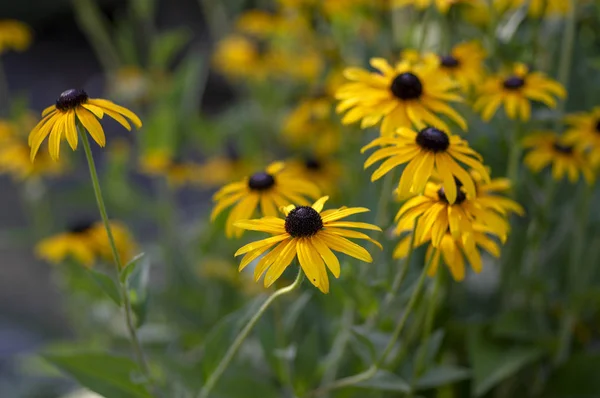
[386,381]
[362,337]
[493,362]
[167,45]
[137,289]
[130,267]
[108,375]
[576,378]
[107,285]
[441,376]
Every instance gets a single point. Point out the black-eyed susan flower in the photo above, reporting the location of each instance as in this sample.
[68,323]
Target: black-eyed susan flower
[584,132]
[454,253]
[442,5]
[427,151]
[16,162]
[324,172]
[222,169]
[489,195]
[265,190]
[14,35]
[515,90]
[126,244]
[535,8]
[399,96]
[311,235]
[59,121]
[464,64]
[567,160]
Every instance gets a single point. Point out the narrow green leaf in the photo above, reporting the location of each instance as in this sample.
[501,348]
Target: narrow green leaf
[107,285]
[108,375]
[386,381]
[441,376]
[130,267]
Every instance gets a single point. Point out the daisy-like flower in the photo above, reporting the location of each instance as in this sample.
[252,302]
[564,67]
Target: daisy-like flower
[549,149]
[15,161]
[324,172]
[427,151]
[14,35]
[399,96]
[489,195]
[584,132]
[453,253]
[222,169]
[86,242]
[309,233]
[515,91]
[268,190]
[464,64]
[442,5]
[536,8]
[73,106]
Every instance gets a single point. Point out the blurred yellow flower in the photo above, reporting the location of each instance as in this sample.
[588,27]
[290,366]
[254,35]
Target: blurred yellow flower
[399,96]
[584,132]
[267,190]
[222,169]
[129,84]
[464,64]
[73,106]
[515,90]
[442,5]
[14,35]
[309,233]
[324,172]
[536,8]
[550,149]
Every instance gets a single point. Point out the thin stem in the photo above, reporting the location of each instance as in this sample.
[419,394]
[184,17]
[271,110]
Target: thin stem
[425,28]
[137,348]
[429,318]
[514,157]
[241,337]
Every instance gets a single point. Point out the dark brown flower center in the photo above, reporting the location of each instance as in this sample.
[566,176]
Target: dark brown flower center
[407,86]
[514,83]
[312,164]
[448,61]
[460,195]
[598,126]
[566,149]
[71,99]
[261,181]
[303,221]
[80,227]
[433,139]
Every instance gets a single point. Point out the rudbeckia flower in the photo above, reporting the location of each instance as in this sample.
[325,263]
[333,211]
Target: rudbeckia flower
[267,190]
[548,149]
[489,195]
[399,96]
[15,161]
[584,132]
[324,172]
[442,5]
[536,8]
[464,64]
[14,35]
[309,233]
[73,106]
[427,151]
[515,90]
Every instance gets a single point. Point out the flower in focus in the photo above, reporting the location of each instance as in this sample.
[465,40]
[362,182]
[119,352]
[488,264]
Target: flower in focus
[86,242]
[514,90]
[268,190]
[442,5]
[399,96]
[323,172]
[584,132]
[74,106]
[464,64]
[427,151]
[14,35]
[549,149]
[309,233]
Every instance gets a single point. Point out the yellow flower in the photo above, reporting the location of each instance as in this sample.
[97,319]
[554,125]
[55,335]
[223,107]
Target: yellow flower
[222,169]
[536,8]
[488,195]
[14,35]
[237,56]
[85,243]
[464,64]
[442,5]
[584,132]
[269,189]
[547,148]
[310,234]
[399,96]
[323,172]
[427,151]
[71,107]
[15,160]
[515,90]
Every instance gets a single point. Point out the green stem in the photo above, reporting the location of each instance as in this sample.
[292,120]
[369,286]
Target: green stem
[514,157]
[429,318]
[241,337]
[425,28]
[566,52]
[137,347]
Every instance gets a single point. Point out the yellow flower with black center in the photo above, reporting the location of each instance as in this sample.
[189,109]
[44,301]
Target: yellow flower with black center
[309,233]
[549,149]
[238,56]
[584,132]
[464,64]
[15,161]
[515,90]
[267,190]
[399,96]
[322,171]
[72,107]
[222,169]
[442,5]
[14,35]
[427,151]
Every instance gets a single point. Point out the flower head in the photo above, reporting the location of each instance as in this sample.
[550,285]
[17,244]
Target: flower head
[309,233]
[72,107]
[399,96]
[427,151]
[267,190]
[325,172]
[549,149]
[584,132]
[464,64]
[14,35]
[442,5]
[515,90]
